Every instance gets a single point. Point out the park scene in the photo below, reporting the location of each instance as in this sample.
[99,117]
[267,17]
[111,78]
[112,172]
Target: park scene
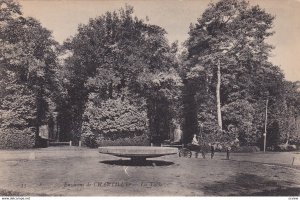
[201,104]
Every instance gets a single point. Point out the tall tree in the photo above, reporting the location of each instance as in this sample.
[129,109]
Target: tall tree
[115,55]
[229,41]
[28,55]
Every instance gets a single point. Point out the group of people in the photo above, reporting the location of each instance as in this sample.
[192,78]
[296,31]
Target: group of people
[214,146]
[198,145]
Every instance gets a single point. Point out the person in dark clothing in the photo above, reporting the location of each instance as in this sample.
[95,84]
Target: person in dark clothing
[212,149]
[227,152]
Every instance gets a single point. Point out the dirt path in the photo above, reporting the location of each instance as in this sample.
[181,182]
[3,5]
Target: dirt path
[73,171]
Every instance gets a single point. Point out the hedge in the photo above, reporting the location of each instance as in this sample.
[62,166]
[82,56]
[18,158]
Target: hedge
[285,147]
[246,149]
[17,140]
[116,139]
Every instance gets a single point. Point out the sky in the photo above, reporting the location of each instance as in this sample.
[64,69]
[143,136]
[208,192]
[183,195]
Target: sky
[62,17]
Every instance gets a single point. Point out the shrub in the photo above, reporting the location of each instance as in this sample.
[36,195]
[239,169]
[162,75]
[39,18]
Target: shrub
[285,147]
[115,139]
[89,139]
[246,149]
[292,148]
[114,122]
[17,114]
[129,140]
[17,140]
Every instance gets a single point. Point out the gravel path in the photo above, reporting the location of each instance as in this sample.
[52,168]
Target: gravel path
[85,172]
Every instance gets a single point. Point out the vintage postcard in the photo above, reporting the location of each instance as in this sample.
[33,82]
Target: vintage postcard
[149,98]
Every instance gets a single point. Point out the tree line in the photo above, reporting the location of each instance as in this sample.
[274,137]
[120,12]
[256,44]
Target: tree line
[119,79]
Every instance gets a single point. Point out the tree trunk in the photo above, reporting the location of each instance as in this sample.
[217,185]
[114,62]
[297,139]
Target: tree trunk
[290,128]
[266,124]
[218,96]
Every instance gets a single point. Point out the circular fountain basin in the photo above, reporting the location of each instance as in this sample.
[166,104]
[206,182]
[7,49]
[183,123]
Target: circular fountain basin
[138,152]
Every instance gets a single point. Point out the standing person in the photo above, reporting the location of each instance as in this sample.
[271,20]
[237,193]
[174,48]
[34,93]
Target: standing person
[215,146]
[212,150]
[234,144]
[177,134]
[228,148]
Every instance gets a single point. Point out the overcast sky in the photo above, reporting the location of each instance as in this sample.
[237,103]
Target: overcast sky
[63,16]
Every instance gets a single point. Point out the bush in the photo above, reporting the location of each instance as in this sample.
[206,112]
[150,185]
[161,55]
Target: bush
[129,140]
[16,140]
[292,147]
[114,116]
[285,147]
[114,122]
[89,140]
[246,149]
[17,115]
[116,139]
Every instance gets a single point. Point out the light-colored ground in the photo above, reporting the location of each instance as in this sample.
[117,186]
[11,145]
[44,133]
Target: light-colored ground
[84,172]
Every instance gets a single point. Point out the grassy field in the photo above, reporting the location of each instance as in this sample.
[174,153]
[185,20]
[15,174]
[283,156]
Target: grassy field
[73,171]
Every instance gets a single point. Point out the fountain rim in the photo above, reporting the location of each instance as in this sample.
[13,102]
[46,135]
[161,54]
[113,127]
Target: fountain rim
[133,151]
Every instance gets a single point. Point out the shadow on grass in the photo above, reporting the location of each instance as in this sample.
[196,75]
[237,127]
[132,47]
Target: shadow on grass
[291,191]
[267,163]
[250,185]
[137,163]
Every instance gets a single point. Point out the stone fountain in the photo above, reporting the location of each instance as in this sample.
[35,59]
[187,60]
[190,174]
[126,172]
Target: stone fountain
[138,153]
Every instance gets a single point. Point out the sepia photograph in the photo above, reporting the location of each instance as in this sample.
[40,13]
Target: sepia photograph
[171,98]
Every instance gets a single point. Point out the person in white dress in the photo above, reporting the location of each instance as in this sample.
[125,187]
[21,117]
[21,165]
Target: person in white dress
[195,140]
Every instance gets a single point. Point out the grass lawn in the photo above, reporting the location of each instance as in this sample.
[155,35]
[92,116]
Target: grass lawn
[72,171]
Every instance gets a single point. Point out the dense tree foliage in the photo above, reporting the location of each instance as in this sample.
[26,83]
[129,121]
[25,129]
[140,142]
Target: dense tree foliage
[27,70]
[118,56]
[119,77]
[227,55]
